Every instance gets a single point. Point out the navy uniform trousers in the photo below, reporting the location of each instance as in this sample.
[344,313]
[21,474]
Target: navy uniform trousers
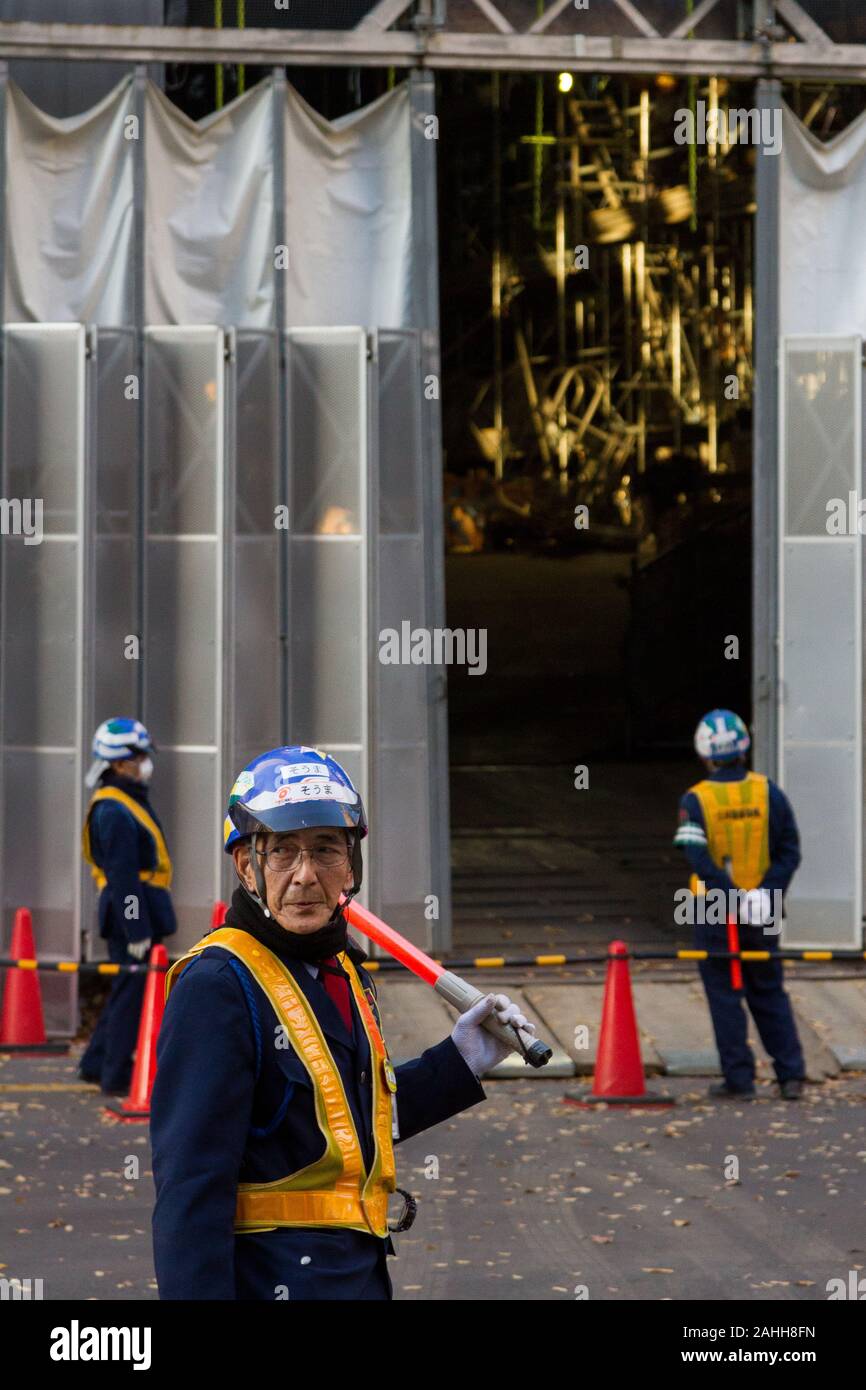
[122,847]
[108,1056]
[769,1005]
[231,1104]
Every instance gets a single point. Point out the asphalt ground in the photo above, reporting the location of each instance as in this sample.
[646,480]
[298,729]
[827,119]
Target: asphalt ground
[522,1197]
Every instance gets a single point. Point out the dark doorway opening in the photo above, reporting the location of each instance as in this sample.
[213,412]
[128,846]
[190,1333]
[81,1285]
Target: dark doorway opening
[597,433]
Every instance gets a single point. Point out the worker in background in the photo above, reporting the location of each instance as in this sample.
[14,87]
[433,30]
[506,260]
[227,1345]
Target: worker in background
[737,830]
[275,1108]
[124,845]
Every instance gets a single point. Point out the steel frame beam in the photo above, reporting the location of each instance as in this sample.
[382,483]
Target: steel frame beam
[368,45]
[765,454]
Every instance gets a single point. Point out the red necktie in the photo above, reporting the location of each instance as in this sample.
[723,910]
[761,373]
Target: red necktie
[337,986]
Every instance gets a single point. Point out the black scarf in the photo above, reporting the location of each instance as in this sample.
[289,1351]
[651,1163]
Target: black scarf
[313,946]
[139,791]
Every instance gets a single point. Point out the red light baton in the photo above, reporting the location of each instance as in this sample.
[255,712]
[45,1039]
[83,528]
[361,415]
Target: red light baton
[736,967]
[456,991]
[734,940]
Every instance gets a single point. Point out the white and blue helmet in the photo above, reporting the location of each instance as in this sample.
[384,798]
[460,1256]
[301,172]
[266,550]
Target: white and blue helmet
[292,788]
[722,737]
[114,740]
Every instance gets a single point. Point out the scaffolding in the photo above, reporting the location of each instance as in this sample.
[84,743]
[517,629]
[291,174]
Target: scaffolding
[763,39]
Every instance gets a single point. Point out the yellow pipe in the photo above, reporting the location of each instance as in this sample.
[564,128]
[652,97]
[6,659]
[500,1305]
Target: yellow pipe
[242,72]
[218,24]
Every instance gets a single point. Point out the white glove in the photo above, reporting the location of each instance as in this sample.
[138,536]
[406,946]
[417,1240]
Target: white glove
[756,909]
[139,949]
[478,1048]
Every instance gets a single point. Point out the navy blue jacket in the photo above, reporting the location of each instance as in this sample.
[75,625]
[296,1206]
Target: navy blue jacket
[784,839]
[229,1106]
[120,846]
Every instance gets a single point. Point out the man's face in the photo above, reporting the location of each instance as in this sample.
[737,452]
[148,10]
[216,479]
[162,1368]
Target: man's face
[303,897]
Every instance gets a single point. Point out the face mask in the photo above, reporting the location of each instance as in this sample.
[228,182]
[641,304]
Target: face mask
[145,770]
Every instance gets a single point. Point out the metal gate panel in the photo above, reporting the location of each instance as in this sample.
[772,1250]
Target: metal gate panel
[327,671]
[204,595]
[254,664]
[184,645]
[42,679]
[359,556]
[403,694]
[327,658]
[112,604]
[820,659]
[112,560]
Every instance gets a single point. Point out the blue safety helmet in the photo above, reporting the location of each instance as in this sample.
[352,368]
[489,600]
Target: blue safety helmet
[722,737]
[114,740]
[294,788]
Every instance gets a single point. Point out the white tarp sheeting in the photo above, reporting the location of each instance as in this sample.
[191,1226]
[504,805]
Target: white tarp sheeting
[210,213]
[348,214]
[211,252]
[822,271]
[69,213]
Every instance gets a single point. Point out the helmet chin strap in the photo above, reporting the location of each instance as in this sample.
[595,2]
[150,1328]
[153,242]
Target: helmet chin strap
[357,875]
[261,897]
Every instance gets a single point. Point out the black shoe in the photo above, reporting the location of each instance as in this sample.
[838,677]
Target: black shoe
[792,1089]
[89,1078]
[720,1090]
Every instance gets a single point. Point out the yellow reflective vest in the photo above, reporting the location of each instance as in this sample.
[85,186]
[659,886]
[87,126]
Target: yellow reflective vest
[737,822]
[158,877]
[335,1190]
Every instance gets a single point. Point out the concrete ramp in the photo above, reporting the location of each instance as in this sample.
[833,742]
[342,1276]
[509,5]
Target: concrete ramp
[674,1027]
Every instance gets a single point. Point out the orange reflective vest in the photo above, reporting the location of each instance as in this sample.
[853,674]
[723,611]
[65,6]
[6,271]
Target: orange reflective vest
[335,1190]
[160,876]
[737,821]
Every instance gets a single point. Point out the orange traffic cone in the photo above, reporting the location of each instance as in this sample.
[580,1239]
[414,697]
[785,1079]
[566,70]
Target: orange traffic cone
[618,1076]
[22,1023]
[218,916]
[136,1106]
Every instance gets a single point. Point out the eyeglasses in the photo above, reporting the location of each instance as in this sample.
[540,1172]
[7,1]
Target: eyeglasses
[285,858]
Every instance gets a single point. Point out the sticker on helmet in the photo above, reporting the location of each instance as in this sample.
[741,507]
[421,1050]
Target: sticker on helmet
[314,789]
[309,789]
[290,770]
[244,782]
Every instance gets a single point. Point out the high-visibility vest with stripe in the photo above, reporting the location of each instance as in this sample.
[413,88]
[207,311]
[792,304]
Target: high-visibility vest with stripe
[160,875]
[737,822]
[335,1190]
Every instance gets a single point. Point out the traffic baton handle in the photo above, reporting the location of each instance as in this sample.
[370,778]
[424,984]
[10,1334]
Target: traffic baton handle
[463,996]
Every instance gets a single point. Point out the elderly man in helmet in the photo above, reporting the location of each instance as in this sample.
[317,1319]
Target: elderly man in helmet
[124,845]
[276,1109]
[738,832]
